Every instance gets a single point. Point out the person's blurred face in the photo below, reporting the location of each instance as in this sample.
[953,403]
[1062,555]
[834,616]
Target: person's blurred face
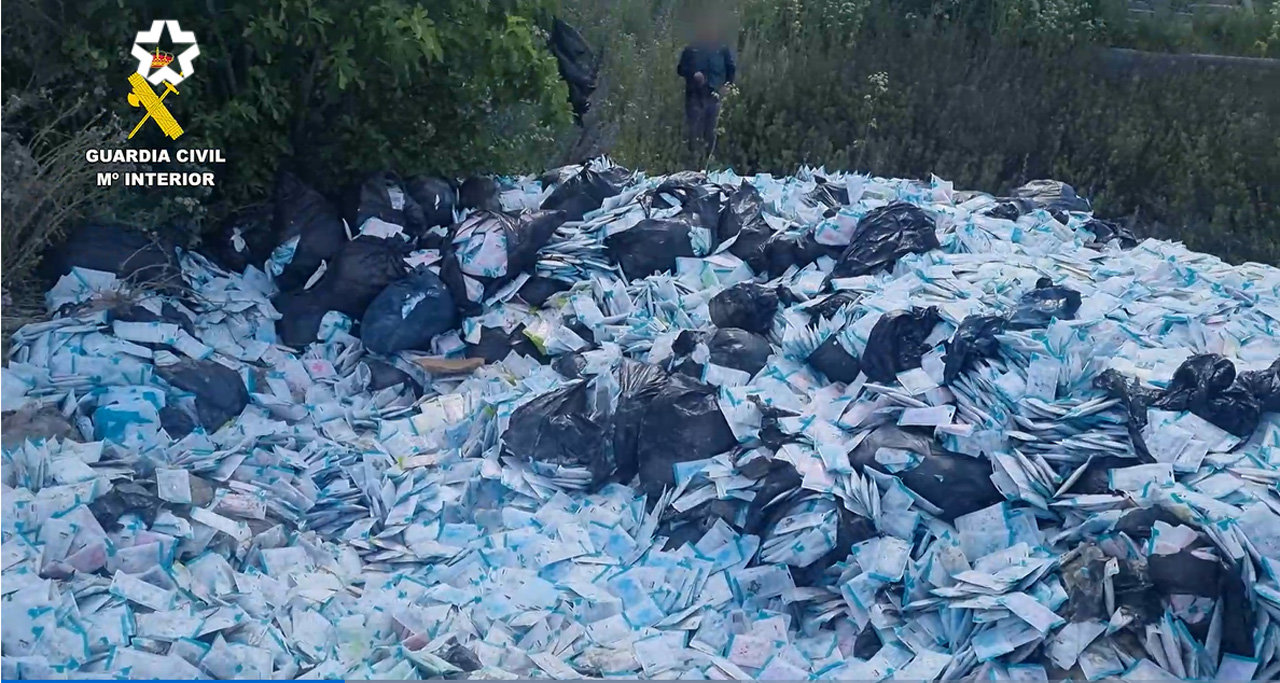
[708,28]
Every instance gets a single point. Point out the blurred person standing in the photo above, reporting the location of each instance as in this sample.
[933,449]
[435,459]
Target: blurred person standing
[706,65]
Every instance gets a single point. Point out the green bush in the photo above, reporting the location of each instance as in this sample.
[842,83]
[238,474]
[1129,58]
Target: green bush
[989,94]
[328,87]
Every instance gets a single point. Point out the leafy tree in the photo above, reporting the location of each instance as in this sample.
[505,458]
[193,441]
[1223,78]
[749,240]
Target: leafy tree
[328,87]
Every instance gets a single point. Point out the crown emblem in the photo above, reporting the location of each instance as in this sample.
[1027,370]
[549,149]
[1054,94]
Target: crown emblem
[160,59]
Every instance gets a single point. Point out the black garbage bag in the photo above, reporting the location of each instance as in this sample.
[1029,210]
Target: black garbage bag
[114,249]
[1010,209]
[1105,231]
[682,185]
[125,498]
[486,234]
[956,484]
[683,423]
[830,305]
[885,235]
[559,175]
[896,343]
[176,422]
[563,428]
[742,216]
[304,213]
[436,196]
[784,250]
[650,246]
[746,305]
[640,383]
[537,289]
[834,362]
[301,313]
[1238,619]
[383,374]
[384,196]
[828,194]
[580,195]
[692,524]
[1183,573]
[246,238]
[220,391]
[729,347]
[364,267]
[1263,385]
[1052,194]
[851,529]
[408,314]
[1205,385]
[569,365]
[578,65]
[1135,399]
[1044,304]
[496,344]
[704,212]
[479,193]
[974,339]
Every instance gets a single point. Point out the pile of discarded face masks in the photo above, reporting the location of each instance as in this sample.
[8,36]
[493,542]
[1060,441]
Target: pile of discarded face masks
[601,424]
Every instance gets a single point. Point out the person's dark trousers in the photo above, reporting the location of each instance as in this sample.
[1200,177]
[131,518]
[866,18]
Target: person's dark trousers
[701,113]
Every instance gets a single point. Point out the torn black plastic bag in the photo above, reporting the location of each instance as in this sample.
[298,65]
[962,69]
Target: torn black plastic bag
[1105,231]
[955,484]
[1135,399]
[408,314]
[834,361]
[495,344]
[1205,385]
[1264,385]
[301,313]
[383,375]
[896,343]
[785,250]
[828,194]
[384,196]
[114,249]
[537,289]
[885,235]
[564,428]
[830,305]
[975,339]
[578,65]
[640,384]
[246,238]
[220,391]
[479,193]
[728,347]
[742,216]
[492,249]
[364,267]
[746,305]
[437,197]
[1052,194]
[581,194]
[304,213]
[683,423]
[649,247]
[851,529]
[1043,305]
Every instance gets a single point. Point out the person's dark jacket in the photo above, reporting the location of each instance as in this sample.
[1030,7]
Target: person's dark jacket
[714,61]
